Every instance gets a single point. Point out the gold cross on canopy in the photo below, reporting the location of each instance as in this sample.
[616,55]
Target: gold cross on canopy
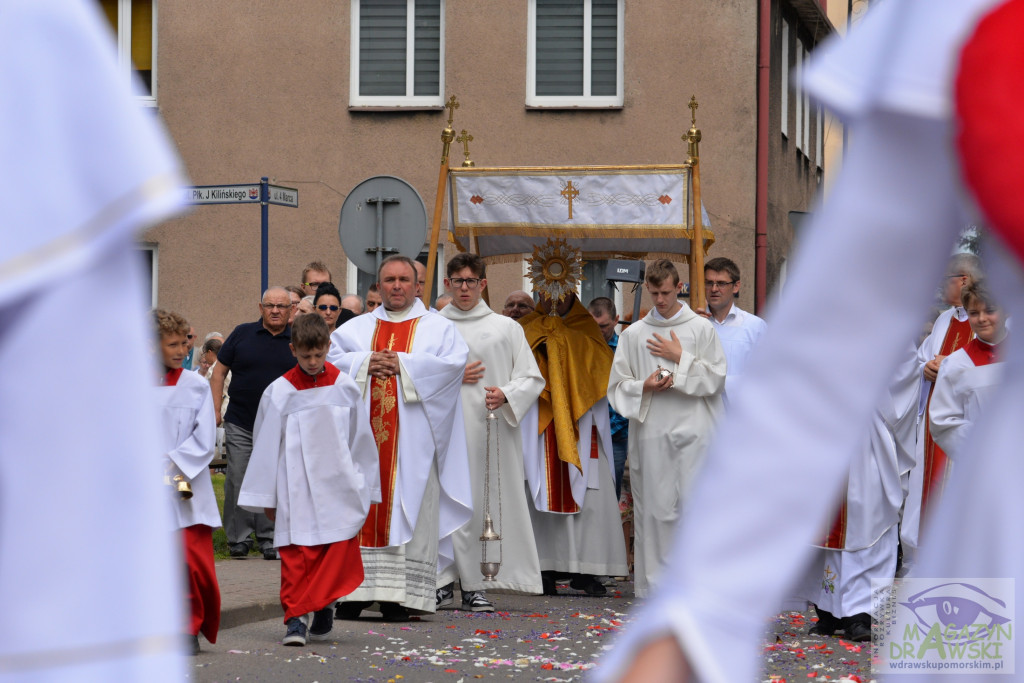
[692,105]
[570,193]
[451,106]
[465,138]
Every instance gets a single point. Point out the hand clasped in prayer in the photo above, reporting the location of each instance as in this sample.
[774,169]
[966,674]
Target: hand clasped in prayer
[383,364]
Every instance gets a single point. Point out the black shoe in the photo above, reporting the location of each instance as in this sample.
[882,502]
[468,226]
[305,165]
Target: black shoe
[821,629]
[240,549]
[827,623]
[588,584]
[192,644]
[548,581]
[323,623]
[270,553]
[350,611]
[392,611]
[858,632]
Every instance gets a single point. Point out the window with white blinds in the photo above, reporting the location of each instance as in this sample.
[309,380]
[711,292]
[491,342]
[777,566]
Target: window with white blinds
[574,53]
[397,53]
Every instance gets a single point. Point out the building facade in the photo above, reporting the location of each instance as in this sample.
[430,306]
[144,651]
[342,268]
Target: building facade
[322,94]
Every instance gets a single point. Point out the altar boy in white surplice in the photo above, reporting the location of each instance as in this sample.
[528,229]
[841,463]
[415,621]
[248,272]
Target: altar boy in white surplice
[968,377]
[667,378]
[501,377]
[188,433]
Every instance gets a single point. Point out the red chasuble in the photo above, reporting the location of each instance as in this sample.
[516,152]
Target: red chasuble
[936,467]
[836,538]
[384,422]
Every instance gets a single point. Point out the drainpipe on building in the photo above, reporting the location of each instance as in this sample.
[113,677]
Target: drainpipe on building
[764,53]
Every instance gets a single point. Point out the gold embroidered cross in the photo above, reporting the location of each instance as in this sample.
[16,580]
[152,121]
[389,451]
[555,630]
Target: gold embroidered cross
[391,342]
[570,193]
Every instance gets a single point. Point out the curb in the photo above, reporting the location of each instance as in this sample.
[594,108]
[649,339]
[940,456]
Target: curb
[249,614]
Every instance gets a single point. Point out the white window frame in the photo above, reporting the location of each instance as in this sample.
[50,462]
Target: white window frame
[154,270]
[807,106]
[407,100]
[585,100]
[784,62]
[124,50]
[799,72]
[819,156]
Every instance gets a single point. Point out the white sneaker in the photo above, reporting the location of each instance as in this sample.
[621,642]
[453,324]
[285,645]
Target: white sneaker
[476,601]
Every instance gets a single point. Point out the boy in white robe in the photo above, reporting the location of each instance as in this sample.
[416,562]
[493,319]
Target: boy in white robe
[671,414]
[501,377]
[409,364]
[968,377]
[313,470]
[188,434]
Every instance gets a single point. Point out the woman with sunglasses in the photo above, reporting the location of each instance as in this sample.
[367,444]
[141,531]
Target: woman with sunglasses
[327,304]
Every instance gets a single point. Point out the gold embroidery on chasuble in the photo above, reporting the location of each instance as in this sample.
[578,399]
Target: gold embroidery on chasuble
[384,422]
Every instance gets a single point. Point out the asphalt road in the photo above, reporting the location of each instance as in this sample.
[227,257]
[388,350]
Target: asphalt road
[529,638]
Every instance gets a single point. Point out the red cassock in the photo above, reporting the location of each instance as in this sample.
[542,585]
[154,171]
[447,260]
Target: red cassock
[203,590]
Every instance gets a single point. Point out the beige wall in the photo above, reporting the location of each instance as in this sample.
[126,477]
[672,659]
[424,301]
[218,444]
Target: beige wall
[252,89]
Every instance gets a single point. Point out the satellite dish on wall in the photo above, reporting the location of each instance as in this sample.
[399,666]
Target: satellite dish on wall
[381,216]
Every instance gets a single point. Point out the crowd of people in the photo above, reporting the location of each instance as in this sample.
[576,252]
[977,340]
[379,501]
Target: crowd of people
[529,408]
[365,451]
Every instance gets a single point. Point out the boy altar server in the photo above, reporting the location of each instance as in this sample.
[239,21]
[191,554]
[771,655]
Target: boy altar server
[314,470]
[667,378]
[409,364]
[969,376]
[502,377]
[188,434]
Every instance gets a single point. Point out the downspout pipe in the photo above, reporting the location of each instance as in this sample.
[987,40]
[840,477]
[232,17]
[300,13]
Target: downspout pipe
[764,54]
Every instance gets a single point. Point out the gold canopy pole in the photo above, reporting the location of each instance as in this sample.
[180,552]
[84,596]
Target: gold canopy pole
[692,138]
[447,136]
[464,139]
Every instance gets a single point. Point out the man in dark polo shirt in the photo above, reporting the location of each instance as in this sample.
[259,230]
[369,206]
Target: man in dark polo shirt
[256,354]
